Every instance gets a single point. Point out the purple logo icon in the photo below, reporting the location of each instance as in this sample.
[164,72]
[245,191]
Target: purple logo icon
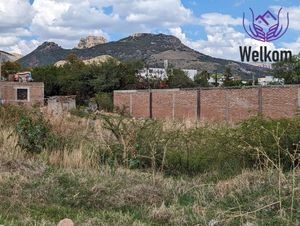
[266,27]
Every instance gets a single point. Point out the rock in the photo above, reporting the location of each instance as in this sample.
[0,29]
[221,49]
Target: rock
[91,41]
[66,222]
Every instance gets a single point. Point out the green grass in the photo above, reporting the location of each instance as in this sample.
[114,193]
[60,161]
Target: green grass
[38,194]
[210,175]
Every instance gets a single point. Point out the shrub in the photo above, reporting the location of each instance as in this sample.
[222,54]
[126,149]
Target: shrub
[271,142]
[104,101]
[33,134]
[80,112]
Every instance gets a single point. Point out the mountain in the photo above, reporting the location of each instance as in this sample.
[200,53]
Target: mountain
[152,48]
[5,56]
[90,42]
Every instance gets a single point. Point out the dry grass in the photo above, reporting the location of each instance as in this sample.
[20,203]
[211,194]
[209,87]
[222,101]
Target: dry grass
[69,182]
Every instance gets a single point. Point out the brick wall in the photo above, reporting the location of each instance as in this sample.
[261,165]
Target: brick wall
[213,104]
[8,93]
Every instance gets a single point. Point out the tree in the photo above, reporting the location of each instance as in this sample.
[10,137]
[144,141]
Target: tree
[216,78]
[114,75]
[202,78]
[8,68]
[178,79]
[288,70]
[227,76]
[73,58]
[50,76]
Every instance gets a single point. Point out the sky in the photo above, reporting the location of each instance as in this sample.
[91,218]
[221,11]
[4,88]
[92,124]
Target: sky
[212,27]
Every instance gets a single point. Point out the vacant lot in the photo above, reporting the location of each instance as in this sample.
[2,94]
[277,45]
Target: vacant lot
[110,170]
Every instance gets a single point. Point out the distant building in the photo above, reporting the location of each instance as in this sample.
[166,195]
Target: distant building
[161,73]
[270,80]
[153,73]
[22,93]
[191,73]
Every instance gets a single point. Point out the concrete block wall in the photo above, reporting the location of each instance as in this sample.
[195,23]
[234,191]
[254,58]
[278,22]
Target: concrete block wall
[211,104]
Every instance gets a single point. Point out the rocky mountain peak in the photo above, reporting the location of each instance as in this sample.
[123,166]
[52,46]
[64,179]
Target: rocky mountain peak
[90,42]
[49,46]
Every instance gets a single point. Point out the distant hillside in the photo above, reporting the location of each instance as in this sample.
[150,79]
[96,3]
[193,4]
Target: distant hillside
[151,48]
[95,60]
[5,56]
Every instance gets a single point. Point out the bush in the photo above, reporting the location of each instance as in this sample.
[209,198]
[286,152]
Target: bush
[33,135]
[104,101]
[80,112]
[227,150]
[10,115]
[207,149]
[273,143]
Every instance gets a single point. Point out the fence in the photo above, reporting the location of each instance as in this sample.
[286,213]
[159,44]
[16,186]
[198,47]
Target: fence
[211,104]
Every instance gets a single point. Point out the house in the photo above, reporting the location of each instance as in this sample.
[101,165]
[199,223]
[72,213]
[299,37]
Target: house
[270,80]
[161,73]
[22,93]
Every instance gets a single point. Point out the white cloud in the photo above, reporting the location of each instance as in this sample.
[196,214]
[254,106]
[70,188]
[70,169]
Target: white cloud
[294,46]
[15,14]
[69,20]
[16,17]
[219,19]
[294,15]
[23,46]
[221,42]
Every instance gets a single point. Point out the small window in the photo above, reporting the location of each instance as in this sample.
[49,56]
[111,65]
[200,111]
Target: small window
[22,94]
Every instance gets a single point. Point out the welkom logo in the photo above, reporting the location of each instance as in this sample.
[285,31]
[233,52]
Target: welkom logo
[265,28]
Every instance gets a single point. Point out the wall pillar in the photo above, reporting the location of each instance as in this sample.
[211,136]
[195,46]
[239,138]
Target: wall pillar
[198,105]
[260,101]
[150,104]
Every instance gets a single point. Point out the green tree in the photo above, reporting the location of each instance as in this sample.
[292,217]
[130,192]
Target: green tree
[104,101]
[73,58]
[84,81]
[179,79]
[227,76]
[288,70]
[216,78]
[202,78]
[50,76]
[8,68]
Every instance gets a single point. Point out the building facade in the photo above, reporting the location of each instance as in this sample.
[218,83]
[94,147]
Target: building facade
[22,93]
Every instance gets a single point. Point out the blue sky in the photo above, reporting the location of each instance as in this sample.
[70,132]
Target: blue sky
[209,26]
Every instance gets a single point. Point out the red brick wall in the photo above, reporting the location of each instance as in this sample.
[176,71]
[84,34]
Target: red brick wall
[162,103]
[280,102]
[140,104]
[122,101]
[186,104]
[215,104]
[8,92]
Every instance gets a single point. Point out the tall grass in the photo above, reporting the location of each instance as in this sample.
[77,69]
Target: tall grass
[171,148]
[112,169]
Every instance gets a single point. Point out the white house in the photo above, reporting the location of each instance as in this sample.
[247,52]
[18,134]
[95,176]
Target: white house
[162,73]
[268,80]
